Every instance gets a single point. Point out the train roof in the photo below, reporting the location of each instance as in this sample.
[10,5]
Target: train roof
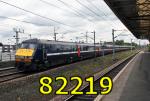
[65,43]
[55,42]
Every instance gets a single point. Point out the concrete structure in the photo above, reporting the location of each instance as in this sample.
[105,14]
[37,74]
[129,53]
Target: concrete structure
[8,48]
[135,14]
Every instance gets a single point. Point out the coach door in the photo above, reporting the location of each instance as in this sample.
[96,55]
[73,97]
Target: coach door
[44,53]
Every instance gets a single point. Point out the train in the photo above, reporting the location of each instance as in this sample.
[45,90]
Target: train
[37,54]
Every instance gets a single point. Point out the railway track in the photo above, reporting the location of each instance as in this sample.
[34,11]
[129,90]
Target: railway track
[7,68]
[112,73]
[10,73]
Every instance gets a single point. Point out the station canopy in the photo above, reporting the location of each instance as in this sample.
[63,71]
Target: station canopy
[135,14]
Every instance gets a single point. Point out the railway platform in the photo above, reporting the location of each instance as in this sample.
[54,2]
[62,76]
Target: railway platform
[134,82]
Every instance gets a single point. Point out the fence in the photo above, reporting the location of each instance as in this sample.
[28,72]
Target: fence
[7,56]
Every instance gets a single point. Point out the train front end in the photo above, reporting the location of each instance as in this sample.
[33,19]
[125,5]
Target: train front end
[24,56]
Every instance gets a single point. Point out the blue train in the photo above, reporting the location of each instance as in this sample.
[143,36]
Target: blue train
[35,54]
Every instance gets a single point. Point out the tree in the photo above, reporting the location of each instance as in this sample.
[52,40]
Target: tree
[134,44]
[119,42]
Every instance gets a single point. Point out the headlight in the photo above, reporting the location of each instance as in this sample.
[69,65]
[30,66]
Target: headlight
[23,57]
[29,57]
[19,57]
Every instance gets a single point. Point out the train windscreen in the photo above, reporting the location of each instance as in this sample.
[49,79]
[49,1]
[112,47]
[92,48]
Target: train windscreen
[28,45]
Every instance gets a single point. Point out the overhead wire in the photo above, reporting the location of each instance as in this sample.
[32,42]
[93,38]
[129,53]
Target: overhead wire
[23,21]
[28,11]
[87,7]
[92,11]
[68,6]
[20,20]
[90,2]
[34,13]
[75,10]
[50,4]
[47,17]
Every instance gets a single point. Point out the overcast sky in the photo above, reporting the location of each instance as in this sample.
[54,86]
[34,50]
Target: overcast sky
[70,18]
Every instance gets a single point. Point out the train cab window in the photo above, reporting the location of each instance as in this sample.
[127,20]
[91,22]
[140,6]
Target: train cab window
[28,45]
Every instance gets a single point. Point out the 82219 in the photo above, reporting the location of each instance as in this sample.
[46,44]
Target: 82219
[105,83]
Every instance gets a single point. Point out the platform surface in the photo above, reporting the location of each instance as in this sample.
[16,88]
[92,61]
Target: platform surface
[134,83]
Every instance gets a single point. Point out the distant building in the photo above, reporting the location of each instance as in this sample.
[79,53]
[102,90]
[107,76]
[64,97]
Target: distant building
[108,43]
[8,48]
[1,44]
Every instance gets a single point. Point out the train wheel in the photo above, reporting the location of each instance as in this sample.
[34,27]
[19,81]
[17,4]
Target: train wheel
[81,57]
[68,60]
[71,59]
[47,64]
[41,67]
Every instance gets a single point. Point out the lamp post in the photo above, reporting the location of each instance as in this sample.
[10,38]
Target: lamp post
[55,34]
[94,44]
[17,31]
[102,47]
[131,45]
[9,49]
[93,38]
[113,39]
[1,56]
[139,44]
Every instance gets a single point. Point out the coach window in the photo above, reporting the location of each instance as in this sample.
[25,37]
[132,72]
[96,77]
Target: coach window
[84,48]
[58,48]
[43,46]
[47,47]
[67,48]
[90,48]
[81,48]
[87,48]
[64,48]
[74,48]
[51,48]
[61,48]
[70,48]
[54,48]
